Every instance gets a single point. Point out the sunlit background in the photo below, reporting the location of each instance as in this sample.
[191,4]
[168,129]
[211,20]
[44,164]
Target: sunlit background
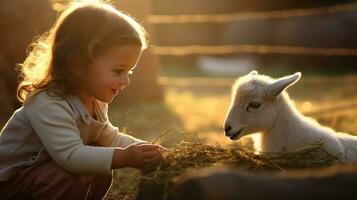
[198,48]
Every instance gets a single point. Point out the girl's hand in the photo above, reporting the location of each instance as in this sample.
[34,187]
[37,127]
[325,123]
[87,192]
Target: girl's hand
[136,155]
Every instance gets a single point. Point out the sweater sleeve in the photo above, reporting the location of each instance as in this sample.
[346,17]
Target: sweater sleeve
[111,136]
[54,123]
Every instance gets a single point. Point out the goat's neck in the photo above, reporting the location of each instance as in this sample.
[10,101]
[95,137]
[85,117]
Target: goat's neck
[285,131]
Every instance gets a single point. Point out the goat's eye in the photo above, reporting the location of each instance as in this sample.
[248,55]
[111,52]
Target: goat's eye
[254,105]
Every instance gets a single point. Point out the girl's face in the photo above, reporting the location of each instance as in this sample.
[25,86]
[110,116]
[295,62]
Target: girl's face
[109,73]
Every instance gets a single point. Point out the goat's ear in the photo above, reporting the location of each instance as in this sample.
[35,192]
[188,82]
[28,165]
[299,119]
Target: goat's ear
[253,72]
[275,88]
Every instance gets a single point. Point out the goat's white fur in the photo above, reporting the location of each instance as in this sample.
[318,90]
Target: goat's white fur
[283,128]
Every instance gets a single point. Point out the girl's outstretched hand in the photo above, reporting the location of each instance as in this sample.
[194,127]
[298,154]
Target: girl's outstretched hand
[136,155]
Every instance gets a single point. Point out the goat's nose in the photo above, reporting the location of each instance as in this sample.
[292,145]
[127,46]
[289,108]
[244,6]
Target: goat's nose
[227,128]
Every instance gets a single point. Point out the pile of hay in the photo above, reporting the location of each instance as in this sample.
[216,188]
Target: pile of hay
[159,178]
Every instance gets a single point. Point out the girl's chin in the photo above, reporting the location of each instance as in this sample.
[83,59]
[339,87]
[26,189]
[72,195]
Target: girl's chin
[110,100]
[107,99]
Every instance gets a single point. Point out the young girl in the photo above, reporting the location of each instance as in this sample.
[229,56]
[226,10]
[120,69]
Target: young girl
[60,144]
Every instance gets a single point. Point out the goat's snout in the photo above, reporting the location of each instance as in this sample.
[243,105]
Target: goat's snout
[227,128]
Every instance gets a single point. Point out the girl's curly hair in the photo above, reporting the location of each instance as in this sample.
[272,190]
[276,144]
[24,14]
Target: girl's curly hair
[83,30]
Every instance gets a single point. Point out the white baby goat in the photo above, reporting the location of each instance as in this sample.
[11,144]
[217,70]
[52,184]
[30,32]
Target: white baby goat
[261,104]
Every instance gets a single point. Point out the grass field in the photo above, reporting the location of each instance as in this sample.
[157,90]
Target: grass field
[199,111]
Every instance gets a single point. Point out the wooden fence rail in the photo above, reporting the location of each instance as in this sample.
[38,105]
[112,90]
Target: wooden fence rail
[228,82]
[263,15]
[257,49]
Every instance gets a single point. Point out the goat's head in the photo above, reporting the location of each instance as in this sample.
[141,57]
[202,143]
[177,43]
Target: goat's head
[255,105]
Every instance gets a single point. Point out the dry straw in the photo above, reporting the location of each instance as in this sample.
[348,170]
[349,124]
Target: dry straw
[158,178]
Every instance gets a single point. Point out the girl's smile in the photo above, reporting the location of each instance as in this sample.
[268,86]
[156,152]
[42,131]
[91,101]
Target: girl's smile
[115,91]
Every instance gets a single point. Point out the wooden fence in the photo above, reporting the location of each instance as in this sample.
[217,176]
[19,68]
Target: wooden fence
[255,49]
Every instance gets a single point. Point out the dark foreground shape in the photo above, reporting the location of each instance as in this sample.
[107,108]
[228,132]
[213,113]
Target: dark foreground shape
[332,183]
